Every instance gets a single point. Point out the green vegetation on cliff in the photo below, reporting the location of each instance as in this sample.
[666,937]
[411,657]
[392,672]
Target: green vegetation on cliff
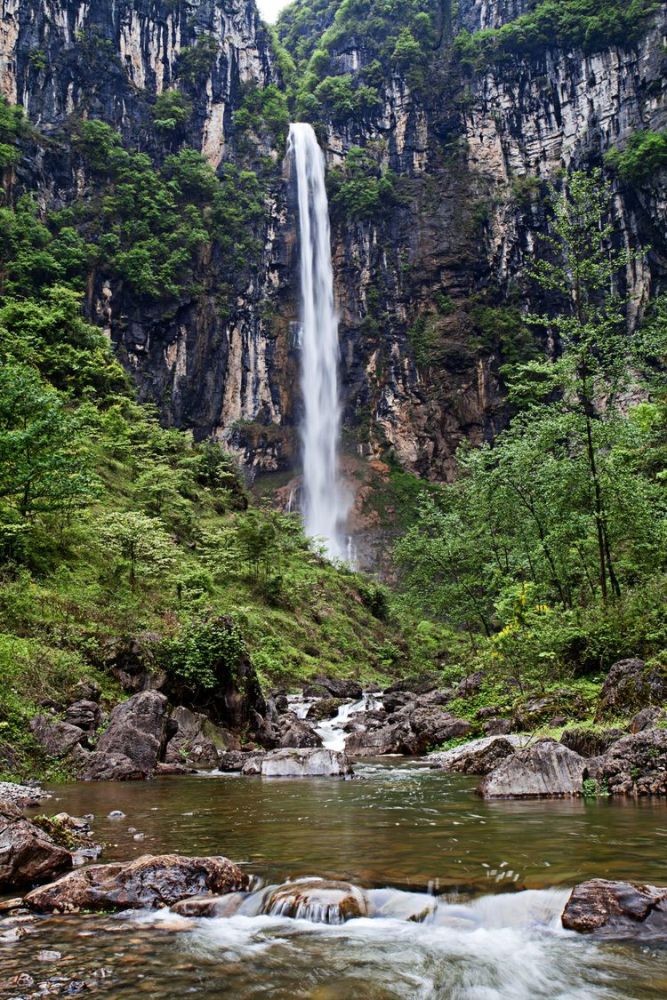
[549,549]
[583,24]
[110,525]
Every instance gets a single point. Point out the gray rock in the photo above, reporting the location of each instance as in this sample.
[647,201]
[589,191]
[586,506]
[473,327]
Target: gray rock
[648,718]
[197,742]
[617,909]
[57,738]
[546,769]
[300,763]
[630,686]
[235,760]
[138,730]
[497,727]
[22,795]
[100,766]
[85,714]
[479,756]
[635,765]
[295,732]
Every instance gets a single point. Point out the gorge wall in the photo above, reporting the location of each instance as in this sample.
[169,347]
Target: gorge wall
[430,280]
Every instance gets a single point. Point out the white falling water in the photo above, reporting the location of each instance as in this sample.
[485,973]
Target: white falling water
[324,502]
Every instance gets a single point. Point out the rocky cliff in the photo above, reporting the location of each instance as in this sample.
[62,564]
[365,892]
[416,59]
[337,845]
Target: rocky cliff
[431,282]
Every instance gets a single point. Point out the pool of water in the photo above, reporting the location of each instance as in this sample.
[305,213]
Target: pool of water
[500,871]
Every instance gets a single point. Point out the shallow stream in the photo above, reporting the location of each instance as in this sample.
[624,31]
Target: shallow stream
[499,872]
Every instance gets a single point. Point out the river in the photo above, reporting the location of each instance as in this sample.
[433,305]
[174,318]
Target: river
[484,883]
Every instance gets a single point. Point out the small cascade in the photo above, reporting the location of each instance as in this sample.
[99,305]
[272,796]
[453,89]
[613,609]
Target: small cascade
[324,502]
[332,731]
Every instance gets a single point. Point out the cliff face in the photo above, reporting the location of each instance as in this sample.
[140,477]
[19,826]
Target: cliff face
[431,292]
[476,162]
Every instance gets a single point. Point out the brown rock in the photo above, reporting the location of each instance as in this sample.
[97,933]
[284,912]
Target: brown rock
[148,881]
[616,909]
[317,900]
[27,853]
[478,757]
[590,742]
[197,742]
[295,732]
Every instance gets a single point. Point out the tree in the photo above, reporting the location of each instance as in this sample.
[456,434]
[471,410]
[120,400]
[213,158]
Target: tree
[595,350]
[43,465]
[138,546]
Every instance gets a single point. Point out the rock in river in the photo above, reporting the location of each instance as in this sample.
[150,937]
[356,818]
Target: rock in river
[304,763]
[148,881]
[544,770]
[617,909]
[317,900]
[27,853]
[479,756]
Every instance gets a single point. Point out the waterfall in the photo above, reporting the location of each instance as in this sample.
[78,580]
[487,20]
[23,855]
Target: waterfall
[324,501]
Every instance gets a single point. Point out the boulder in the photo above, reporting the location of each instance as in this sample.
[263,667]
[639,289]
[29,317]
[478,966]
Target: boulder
[412,730]
[590,742]
[324,708]
[99,766]
[497,727]
[334,688]
[617,909]
[546,769]
[235,760]
[27,853]
[393,701]
[317,900]
[85,714]
[138,729]
[295,732]
[477,757]
[631,685]
[197,742]
[300,763]
[58,738]
[148,881]
[635,765]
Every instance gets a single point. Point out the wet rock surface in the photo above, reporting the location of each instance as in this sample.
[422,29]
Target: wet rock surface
[299,763]
[617,909]
[27,853]
[317,900]
[151,882]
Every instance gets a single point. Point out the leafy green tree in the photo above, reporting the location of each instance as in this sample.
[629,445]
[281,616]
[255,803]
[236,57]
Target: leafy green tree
[137,546]
[43,465]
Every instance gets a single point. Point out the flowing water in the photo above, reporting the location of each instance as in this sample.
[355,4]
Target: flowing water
[324,502]
[464,896]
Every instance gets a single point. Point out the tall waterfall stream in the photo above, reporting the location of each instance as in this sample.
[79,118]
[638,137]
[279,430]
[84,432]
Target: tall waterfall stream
[324,500]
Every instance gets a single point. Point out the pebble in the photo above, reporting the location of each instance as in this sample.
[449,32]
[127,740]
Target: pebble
[139,836]
[116,814]
[49,956]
